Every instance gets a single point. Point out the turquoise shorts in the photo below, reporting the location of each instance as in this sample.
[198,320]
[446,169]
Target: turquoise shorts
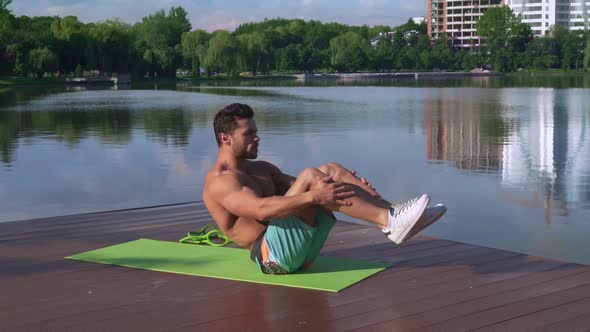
[293,244]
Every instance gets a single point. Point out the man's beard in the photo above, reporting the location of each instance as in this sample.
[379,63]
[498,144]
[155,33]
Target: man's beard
[252,154]
[246,154]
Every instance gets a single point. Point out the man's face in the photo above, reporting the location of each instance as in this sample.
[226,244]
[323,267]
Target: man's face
[245,139]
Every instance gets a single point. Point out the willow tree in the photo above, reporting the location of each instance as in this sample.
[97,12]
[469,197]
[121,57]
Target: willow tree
[42,60]
[256,51]
[194,49]
[349,52]
[587,54]
[108,46]
[222,53]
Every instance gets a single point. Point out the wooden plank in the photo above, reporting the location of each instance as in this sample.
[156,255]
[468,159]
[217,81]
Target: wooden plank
[96,216]
[55,230]
[492,309]
[542,318]
[575,324]
[415,309]
[433,284]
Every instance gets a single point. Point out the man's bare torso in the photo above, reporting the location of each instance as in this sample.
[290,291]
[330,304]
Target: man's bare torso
[257,176]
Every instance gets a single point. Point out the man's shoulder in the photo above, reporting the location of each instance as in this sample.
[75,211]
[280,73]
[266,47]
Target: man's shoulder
[217,176]
[216,180]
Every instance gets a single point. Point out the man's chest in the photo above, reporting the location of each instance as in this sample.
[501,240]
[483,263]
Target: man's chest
[261,183]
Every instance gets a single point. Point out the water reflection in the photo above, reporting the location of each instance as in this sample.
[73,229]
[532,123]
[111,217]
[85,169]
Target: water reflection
[464,132]
[109,127]
[535,140]
[504,160]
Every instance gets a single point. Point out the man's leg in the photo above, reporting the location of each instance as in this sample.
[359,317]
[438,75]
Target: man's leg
[365,205]
[340,174]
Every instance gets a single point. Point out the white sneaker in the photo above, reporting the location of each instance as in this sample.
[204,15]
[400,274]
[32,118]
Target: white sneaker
[431,215]
[403,217]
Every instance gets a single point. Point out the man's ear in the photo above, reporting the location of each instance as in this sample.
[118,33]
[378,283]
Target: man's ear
[224,138]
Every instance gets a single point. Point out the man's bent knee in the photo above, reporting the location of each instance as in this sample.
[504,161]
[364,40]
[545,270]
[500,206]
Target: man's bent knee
[333,169]
[312,174]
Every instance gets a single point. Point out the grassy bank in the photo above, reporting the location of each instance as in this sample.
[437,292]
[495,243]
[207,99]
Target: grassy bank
[16,81]
[550,72]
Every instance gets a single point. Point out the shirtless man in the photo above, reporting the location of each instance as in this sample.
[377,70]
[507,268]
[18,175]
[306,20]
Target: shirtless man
[285,220]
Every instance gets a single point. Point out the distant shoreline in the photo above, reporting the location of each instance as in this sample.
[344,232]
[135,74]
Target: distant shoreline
[7,82]
[395,75]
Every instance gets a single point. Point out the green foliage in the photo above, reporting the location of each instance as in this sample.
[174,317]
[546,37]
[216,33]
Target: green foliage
[107,46]
[587,54]
[194,49]
[381,56]
[4,6]
[162,42]
[504,36]
[349,52]
[42,60]
[256,51]
[69,38]
[157,41]
[222,53]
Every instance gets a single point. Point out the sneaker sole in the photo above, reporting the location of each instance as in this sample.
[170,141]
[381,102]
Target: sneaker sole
[401,237]
[423,223]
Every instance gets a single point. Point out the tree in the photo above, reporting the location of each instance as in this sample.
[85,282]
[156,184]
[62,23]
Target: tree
[222,53]
[107,46]
[42,60]
[157,41]
[504,35]
[23,35]
[194,49]
[408,58]
[348,52]
[572,57]
[70,38]
[4,6]
[587,54]
[442,55]
[289,59]
[380,57]
[6,25]
[255,48]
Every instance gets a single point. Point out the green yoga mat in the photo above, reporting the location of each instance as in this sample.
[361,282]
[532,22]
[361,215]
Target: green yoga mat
[327,274]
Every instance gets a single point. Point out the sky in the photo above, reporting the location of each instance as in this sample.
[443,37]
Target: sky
[211,15]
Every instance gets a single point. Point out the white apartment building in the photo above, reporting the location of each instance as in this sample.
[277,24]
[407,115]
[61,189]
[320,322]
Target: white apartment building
[542,14]
[458,18]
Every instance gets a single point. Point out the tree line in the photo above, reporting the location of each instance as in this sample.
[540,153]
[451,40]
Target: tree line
[163,42]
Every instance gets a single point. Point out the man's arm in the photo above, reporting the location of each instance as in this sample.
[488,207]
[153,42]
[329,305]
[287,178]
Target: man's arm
[281,180]
[242,201]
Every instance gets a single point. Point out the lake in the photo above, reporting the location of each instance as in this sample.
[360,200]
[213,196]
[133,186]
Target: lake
[509,156]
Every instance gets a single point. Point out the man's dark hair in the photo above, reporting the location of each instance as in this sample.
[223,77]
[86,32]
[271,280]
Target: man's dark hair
[225,120]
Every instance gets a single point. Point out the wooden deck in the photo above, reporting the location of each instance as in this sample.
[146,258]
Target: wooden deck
[434,284]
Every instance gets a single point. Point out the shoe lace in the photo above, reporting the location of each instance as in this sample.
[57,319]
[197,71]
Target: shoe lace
[400,208]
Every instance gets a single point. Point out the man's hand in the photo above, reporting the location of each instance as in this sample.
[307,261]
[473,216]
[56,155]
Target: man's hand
[327,192]
[363,180]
